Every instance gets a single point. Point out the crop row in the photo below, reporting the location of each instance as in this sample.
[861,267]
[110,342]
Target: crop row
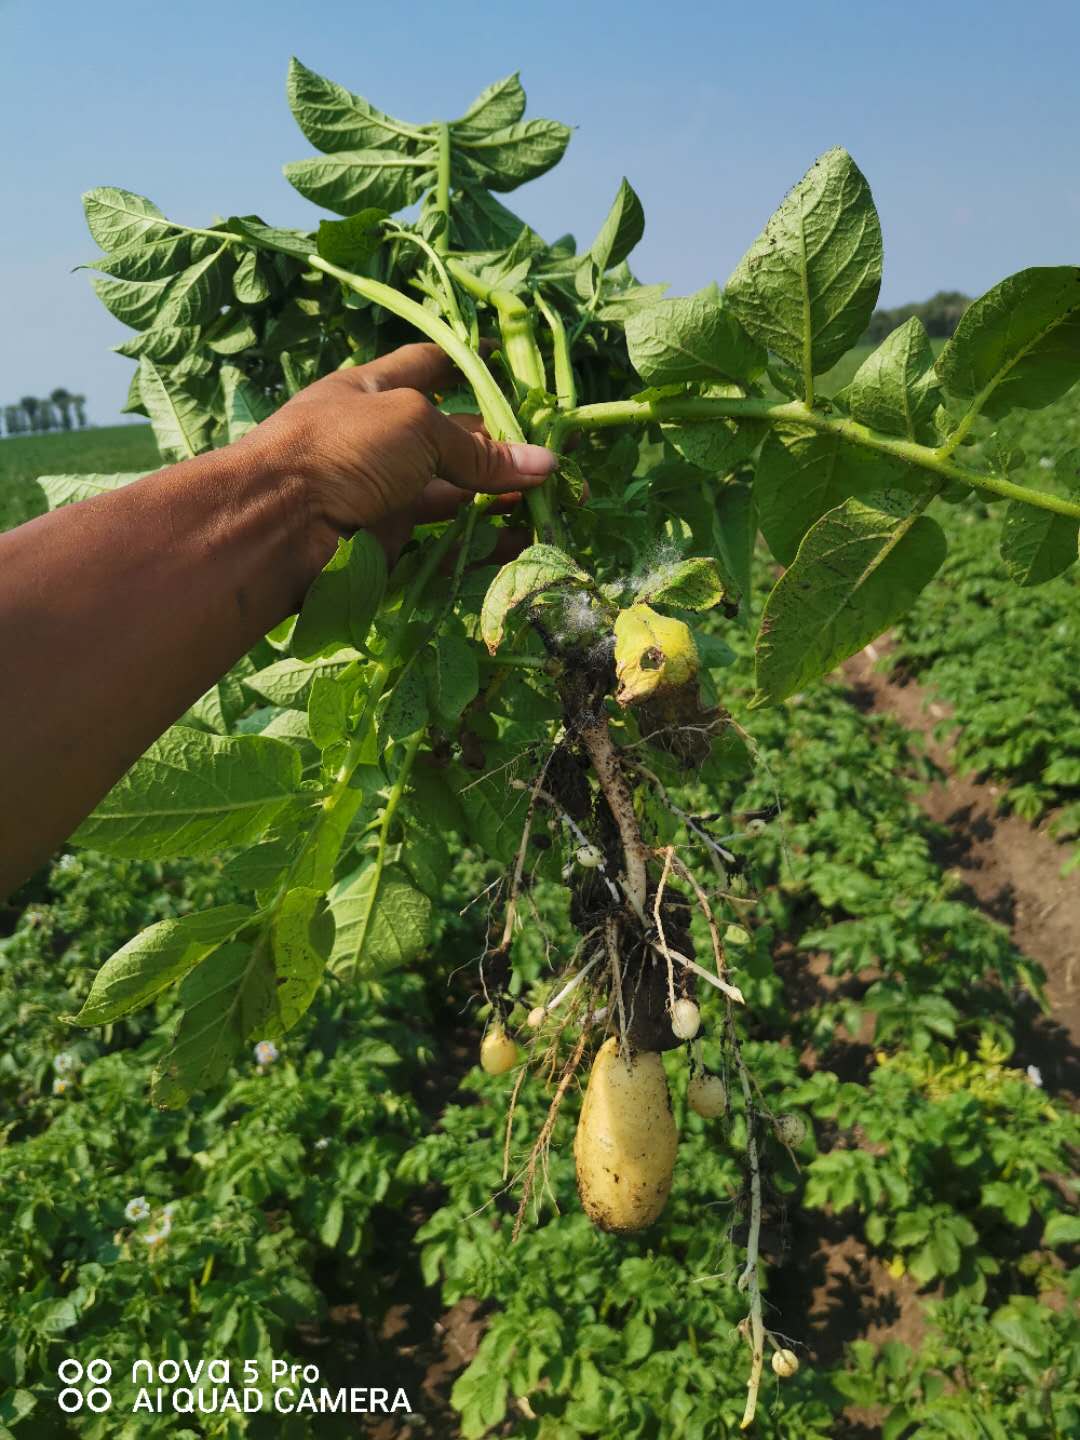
[937,1148]
[1006,661]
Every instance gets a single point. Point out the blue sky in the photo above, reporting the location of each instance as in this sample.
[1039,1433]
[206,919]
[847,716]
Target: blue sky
[964,117]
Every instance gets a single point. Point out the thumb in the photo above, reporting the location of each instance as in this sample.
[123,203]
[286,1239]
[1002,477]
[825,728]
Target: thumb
[476,462]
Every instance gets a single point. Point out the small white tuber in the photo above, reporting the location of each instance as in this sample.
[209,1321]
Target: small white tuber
[707,1095]
[498,1053]
[685,1019]
[785,1363]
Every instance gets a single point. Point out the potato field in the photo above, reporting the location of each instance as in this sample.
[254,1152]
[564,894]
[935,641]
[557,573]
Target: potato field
[625,990]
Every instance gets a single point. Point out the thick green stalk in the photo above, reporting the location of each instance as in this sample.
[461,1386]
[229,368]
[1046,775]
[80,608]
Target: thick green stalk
[565,388]
[442,186]
[515,326]
[393,800]
[288,370]
[691,408]
[510,661]
[223,235]
[448,295]
[340,792]
[519,340]
[499,417]
[470,283]
[541,502]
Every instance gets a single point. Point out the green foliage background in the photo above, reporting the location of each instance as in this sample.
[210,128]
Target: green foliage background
[362,1159]
[291,1186]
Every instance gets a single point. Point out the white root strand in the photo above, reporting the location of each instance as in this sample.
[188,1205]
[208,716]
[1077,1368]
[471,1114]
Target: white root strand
[611,940]
[669,852]
[749,1280]
[519,862]
[710,919]
[731,991]
[572,984]
[576,831]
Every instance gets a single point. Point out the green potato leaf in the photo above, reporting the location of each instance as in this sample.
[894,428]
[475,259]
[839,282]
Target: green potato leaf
[736,529]
[301,938]
[67,489]
[691,338]
[197,294]
[426,857]
[328,710]
[687,585]
[807,286]
[539,568]
[715,446]
[194,793]
[164,343]
[802,473]
[859,568]
[342,602]
[382,921]
[352,180]
[496,107]
[118,218]
[506,158]
[480,222]
[351,242]
[155,959]
[245,405]
[134,302]
[621,230]
[1019,344]
[288,682]
[896,389]
[157,257]
[249,282]
[1037,545]
[294,243]
[453,675]
[407,708]
[237,336]
[181,424]
[334,119]
[228,1000]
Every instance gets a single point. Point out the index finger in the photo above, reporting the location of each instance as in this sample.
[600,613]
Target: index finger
[421,366]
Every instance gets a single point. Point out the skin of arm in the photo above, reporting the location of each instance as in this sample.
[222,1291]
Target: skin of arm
[118,612]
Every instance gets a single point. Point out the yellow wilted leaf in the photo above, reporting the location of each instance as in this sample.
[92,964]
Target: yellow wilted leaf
[652,653]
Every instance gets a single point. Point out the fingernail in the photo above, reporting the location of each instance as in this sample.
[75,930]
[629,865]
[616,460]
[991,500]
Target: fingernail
[533,459]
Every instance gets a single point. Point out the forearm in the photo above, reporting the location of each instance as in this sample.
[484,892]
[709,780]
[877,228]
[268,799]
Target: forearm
[115,615]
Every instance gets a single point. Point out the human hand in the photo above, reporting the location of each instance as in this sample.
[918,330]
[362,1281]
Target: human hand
[364,449]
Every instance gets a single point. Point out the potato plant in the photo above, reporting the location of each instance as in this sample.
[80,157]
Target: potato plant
[542,712]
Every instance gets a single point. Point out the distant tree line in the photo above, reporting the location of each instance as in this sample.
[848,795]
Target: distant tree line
[940,314]
[59,411]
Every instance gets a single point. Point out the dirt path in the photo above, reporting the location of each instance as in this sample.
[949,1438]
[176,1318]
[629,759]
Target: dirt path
[1011,870]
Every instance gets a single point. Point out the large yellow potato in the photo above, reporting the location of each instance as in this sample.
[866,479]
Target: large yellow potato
[626,1140]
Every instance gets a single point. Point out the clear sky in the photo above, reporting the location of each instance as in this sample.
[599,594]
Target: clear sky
[965,117]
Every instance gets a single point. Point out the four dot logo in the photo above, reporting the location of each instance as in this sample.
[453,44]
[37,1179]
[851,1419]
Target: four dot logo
[97,1398]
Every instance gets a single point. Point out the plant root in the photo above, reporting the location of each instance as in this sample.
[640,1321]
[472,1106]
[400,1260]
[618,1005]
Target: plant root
[543,1140]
